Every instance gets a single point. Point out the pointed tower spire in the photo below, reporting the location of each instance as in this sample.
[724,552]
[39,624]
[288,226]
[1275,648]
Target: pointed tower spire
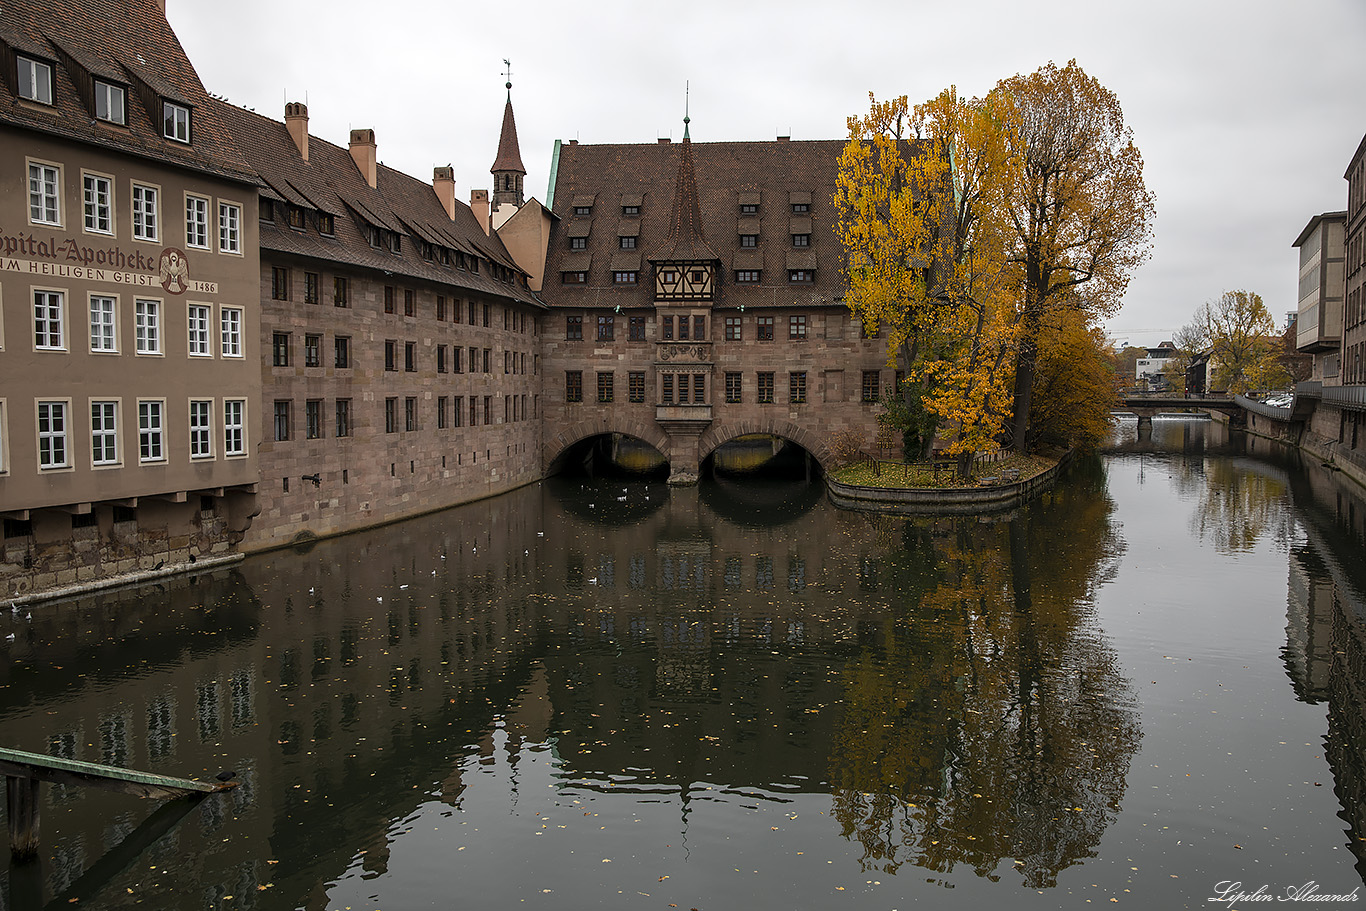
[686,242]
[508,170]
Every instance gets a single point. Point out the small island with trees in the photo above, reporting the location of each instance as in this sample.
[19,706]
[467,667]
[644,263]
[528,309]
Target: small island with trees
[988,238]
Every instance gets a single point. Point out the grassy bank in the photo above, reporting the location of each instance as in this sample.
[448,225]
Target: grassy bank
[901,476]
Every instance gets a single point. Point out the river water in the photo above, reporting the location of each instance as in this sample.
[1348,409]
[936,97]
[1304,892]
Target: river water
[1141,688]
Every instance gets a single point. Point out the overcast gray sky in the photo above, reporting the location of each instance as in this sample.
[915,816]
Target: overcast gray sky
[1246,112]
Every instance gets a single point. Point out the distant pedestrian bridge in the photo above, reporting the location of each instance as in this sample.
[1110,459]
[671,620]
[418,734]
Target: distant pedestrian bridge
[1148,405]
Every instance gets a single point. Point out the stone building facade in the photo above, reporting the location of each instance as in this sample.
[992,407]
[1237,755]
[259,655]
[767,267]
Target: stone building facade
[1336,431]
[696,295]
[398,339]
[129,374]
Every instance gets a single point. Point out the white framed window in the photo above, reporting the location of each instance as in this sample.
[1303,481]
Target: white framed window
[230,331]
[198,322]
[44,194]
[35,80]
[52,428]
[110,102]
[145,217]
[175,120]
[103,322]
[147,322]
[229,228]
[49,327]
[104,433]
[235,427]
[99,203]
[201,429]
[151,445]
[196,222]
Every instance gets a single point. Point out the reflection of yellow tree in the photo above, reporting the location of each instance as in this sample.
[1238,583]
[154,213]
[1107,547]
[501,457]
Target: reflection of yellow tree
[1237,508]
[991,723]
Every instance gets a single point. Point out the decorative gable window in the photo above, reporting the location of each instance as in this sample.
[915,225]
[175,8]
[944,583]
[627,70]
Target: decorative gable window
[35,80]
[110,102]
[175,120]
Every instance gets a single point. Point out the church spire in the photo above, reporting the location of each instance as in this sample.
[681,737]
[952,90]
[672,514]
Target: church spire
[508,170]
[686,242]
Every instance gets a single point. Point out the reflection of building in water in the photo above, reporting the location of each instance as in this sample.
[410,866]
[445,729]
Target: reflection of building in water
[330,682]
[693,648]
[1326,634]
[1308,632]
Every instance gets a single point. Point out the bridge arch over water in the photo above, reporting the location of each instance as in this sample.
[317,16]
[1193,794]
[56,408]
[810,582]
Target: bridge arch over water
[719,434]
[554,449]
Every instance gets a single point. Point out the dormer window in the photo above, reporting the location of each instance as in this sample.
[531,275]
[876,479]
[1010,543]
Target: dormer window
[35,80]
[578,243]
[630,210]
[175,120]
[749,240]
[296,218]
[800,208]
[395,242]
[326,224]
[573,278]
[628,242]
[801,240]
[267,210]
[749,209]
[110,102]
[583,210]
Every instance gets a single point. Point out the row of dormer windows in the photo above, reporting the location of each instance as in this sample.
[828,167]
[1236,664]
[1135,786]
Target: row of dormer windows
[297,218]
[35,81]
[749,208]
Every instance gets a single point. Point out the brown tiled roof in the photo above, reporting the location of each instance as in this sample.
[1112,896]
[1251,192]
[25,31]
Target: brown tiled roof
[686,241]
[331,182]
[127,42]
[509,157]
[726,175]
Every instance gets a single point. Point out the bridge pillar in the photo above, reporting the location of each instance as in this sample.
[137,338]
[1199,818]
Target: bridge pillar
[683,448]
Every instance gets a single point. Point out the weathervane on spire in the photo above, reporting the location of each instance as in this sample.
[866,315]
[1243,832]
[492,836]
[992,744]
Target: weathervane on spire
[508,73]
[687,92]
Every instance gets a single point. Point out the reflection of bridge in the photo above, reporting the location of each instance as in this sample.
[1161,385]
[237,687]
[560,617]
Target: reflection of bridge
[1148,406]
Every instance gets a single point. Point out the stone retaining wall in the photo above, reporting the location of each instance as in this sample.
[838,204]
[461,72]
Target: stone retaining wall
[942,500]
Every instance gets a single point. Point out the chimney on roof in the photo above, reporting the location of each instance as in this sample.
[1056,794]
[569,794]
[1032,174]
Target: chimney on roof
[296,121]
[784,138]
[443,182]
[363,154]
[479,202]
[664,140]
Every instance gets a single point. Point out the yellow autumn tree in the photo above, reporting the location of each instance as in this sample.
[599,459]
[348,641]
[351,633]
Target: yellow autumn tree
[1243,341]
[923,229]
[1080,213]
[1075,382]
